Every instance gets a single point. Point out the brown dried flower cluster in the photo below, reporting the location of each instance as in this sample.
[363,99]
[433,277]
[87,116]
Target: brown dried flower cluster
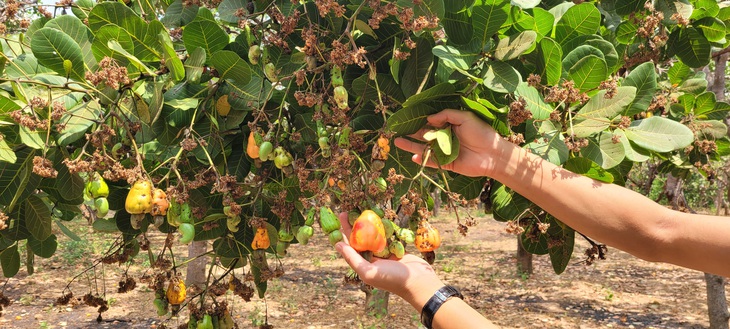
[307,99]
[566,93]
[29,121]
[518,112]
[610,87]
[575,144]
[342,55]
[110,73]
[327,6]
[534,80]
[624,123]
[44,167]
[3,221]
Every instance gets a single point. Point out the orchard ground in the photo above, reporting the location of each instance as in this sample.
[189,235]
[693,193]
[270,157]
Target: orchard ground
[620,292]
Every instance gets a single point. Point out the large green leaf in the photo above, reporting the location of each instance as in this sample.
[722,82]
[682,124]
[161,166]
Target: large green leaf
[458,27]
[14,178]
[513,46]
[537,106]
[52,47]
[205,34]
[578,53]
[37,217]
[231,67]
[10,261]
[453,57]
[692,47]
[416,70]
[76,29]
[632,154]
[178,15]
[588,168]
[659,134]
[549,146]
[626,7]
[508,205]
[678,73]
[469,187]
[410,119]
[228,9]
[6,153]
[438,96]
[589,72]
[598,113]
[77,120]
[626,32]
[172,62]
[604,151]
[501,77]
[643,77]
[550,65]
[44,248]
[560,253]
[488,16]
[123,17]
[582,19]
[712,28]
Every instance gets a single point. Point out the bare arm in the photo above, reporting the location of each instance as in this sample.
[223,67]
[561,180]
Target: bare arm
[609,213]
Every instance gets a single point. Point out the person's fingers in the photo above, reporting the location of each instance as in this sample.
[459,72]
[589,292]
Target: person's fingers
[346,228]
[409,146]
[359,264]
[454,117]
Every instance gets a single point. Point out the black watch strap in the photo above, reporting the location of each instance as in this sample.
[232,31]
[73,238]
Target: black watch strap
[435,302]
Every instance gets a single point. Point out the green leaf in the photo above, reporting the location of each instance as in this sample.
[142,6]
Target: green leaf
[537,106]
[32,138]
[643,77]
[37,217]
[452,57]
[231,67]
[205,34]
[409,120]
[588,73]
[588,168]
[678,73]
[10,261]
[178,15]
[704,103]
[631,153]
[598,113]
[51,47]
[549,146]
[535,245]
[76,29]
[626,32]
[78,120]
[578,53]
[711,129]
[479,109]
[119,15]
[692,47]
[712,28]
[194,65]
[172,62]
[416,70]
[488,17]
[14,178]
[512,47]
[550,65]
[508,205]
[446,148]
[228,9]
[544,22]
[469,187]
[659,134]
[561,253]
[582,19]
[626,7]
[604,151]
[458,27]
[6,153]
[117,47]
[440,95]
[501,77]
[45,248]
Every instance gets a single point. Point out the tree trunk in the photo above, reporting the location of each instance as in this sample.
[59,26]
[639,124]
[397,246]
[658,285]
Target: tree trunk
[436,195]
[524,260]
[196,269]
[716,301]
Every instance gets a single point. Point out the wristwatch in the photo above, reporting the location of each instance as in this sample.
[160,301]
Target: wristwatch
[435,302]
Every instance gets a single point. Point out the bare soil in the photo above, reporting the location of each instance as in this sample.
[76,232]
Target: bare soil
[620,292]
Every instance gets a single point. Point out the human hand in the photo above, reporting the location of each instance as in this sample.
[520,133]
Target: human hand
[410,277]
[480,144]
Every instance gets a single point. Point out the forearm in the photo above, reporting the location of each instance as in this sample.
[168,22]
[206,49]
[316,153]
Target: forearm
[453,314]
[614,215]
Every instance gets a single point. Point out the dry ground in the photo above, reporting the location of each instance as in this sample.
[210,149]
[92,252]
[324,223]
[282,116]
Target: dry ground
[621,292]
